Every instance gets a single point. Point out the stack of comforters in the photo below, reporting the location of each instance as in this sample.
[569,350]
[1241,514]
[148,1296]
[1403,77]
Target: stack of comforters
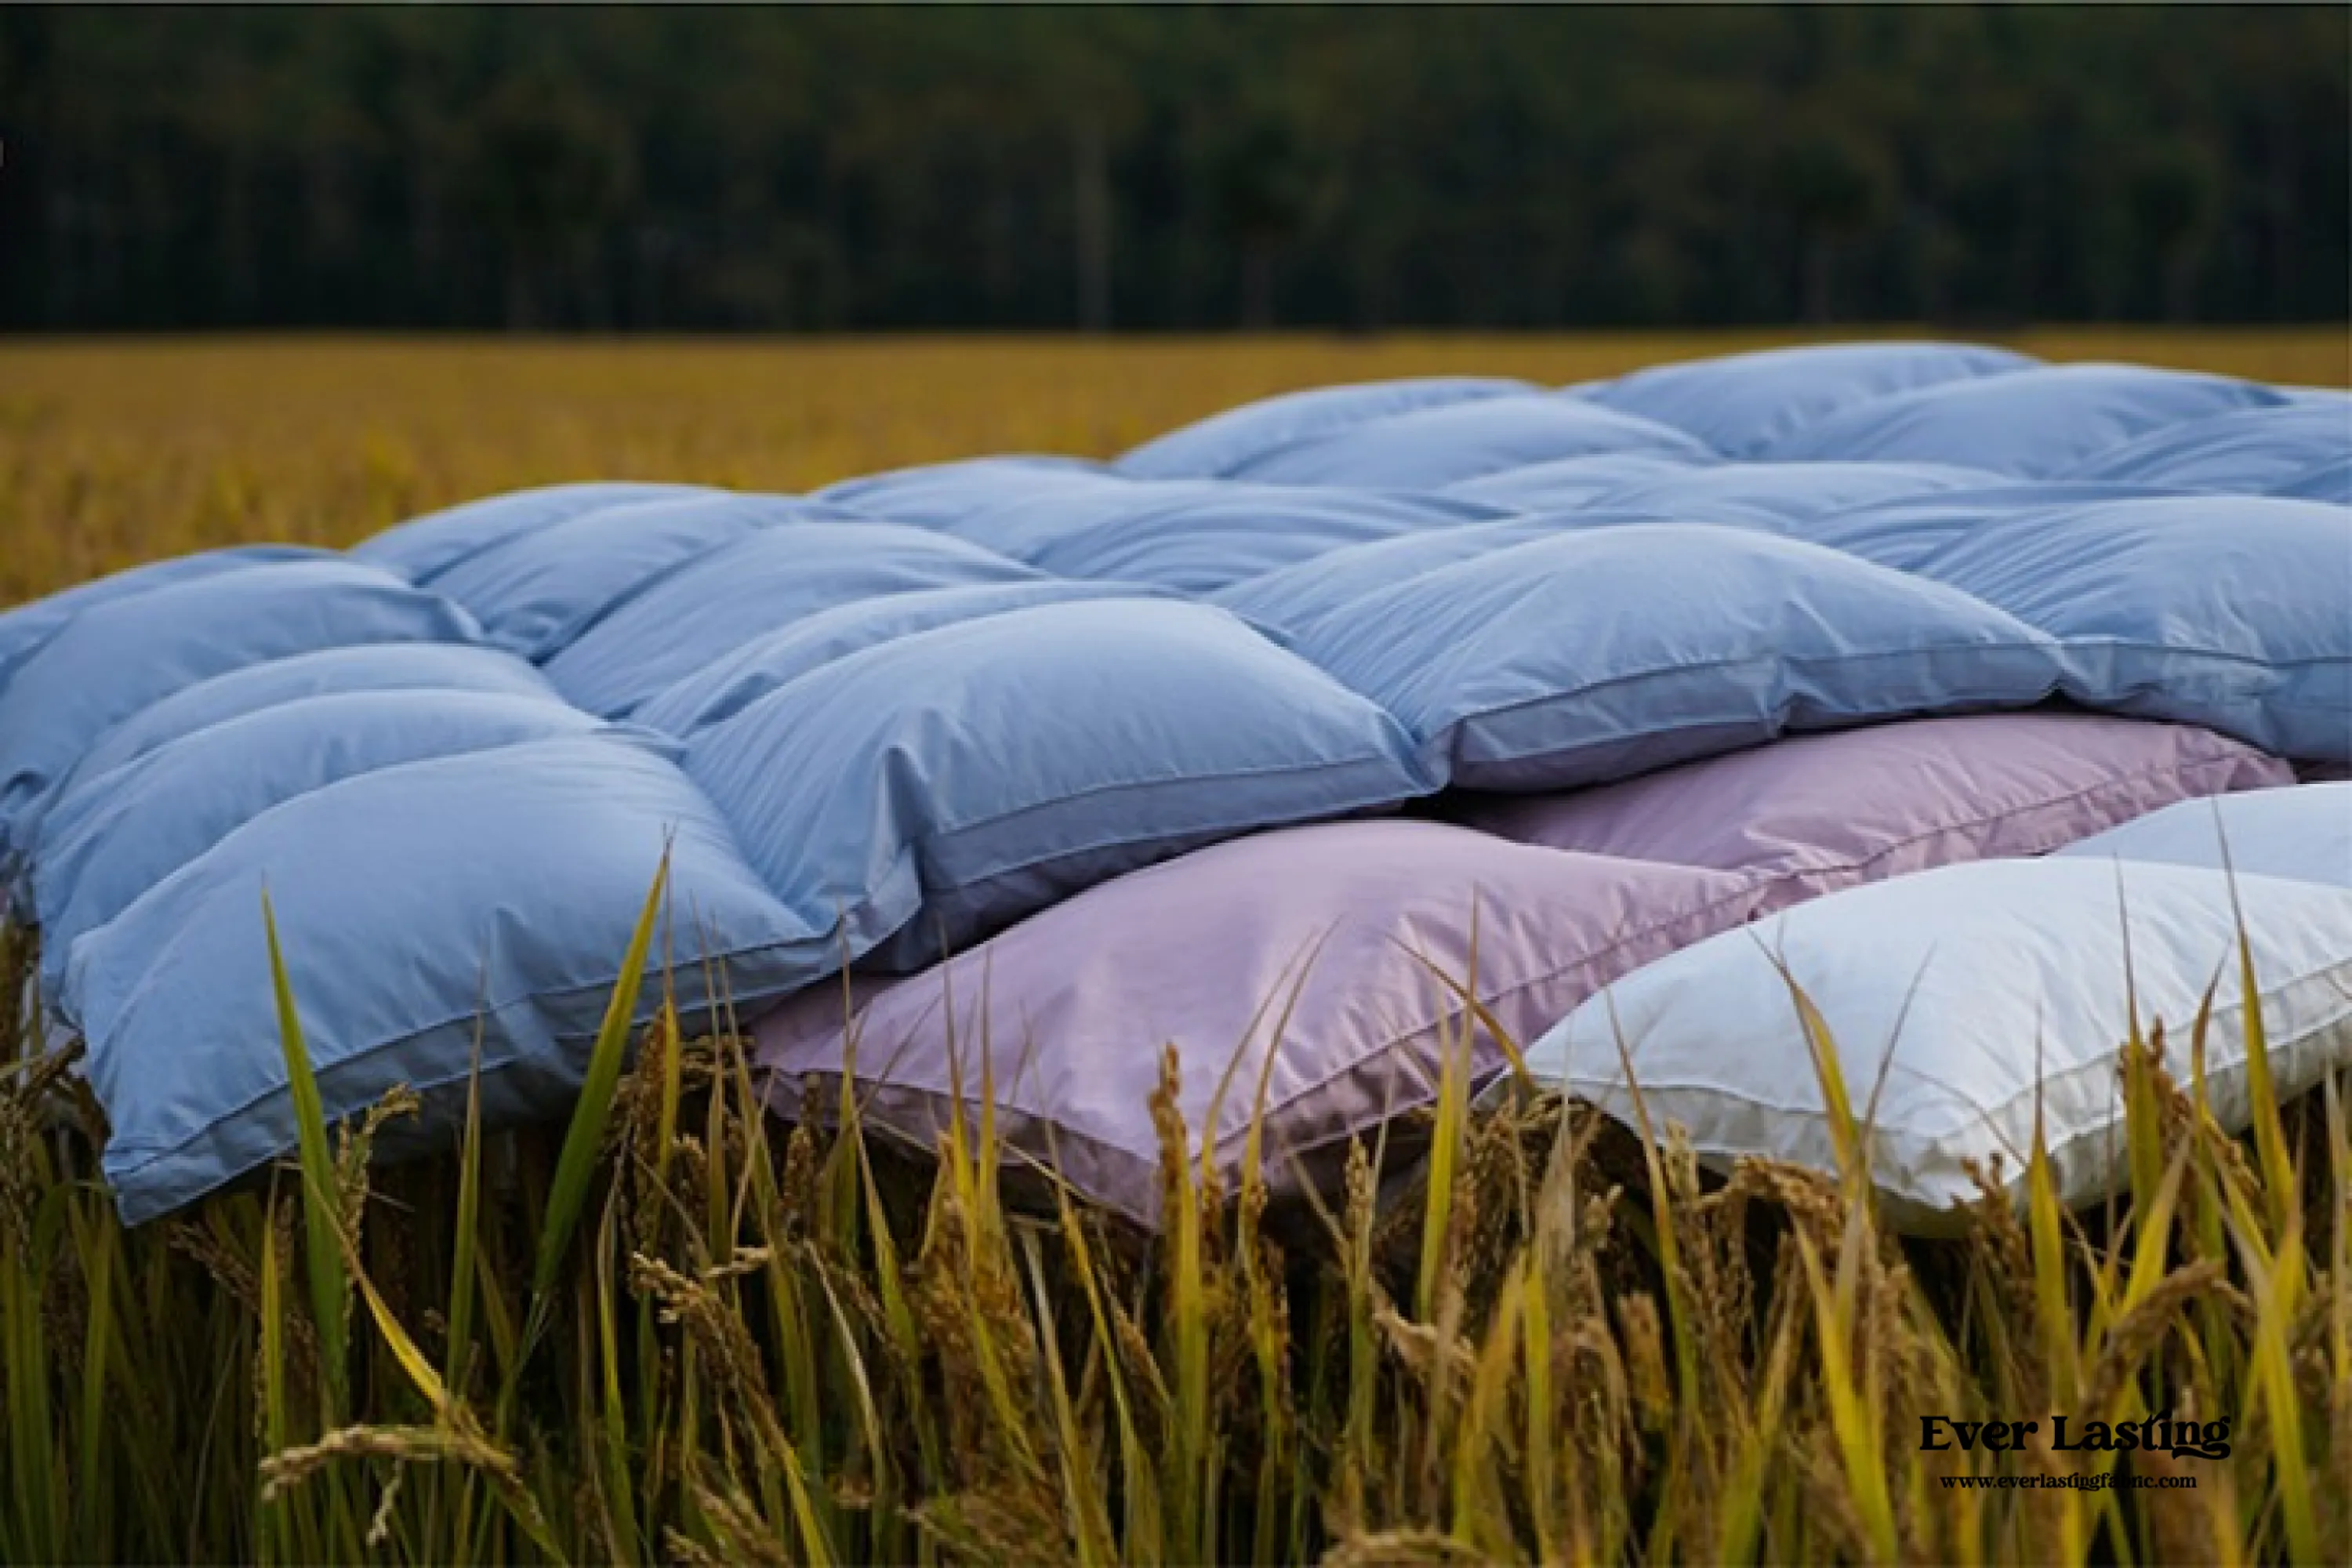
[1307,740]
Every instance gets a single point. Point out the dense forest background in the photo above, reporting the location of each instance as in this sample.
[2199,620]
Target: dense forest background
[685,169]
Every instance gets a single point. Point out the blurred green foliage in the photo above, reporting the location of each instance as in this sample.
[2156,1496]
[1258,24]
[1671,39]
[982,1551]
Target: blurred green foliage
[683,168]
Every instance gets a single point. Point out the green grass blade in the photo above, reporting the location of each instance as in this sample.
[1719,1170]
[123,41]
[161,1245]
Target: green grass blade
[575,1167]
[465,1230]
[330,1289]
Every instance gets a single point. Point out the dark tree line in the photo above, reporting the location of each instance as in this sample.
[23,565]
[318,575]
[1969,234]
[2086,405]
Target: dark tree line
[674,168]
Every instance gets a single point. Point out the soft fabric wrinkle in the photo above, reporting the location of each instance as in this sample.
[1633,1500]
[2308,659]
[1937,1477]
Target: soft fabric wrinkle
[423,548]
[756,584]
[1429,448]
[1741,404]
[1223,444]
[541,591]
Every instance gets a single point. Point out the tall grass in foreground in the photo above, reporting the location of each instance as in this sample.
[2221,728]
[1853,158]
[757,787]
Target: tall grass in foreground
[673,1334]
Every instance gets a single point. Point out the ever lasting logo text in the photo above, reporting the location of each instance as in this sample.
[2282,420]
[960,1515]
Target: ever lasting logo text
[2159,1433]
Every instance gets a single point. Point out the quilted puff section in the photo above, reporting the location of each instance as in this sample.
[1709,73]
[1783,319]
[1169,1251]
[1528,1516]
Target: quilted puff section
[1317,964]
[2231,612]
[1788,498]
[1019,520]
[367,667]
[2028,424]
[423,548]
[1294,598]
[1739,404]
[2301,834]
[725,687]
[941,495]
[2254,452]
[536,591]
[1963,1003]
[1200,544]
[943,785]
[495,890]
[28,628]
[1433,447]
[1907,532]
[1223,444]
[1810,814]
[756,586]
[1607,651]
[1566,481]
[118,657]
[119,833]
[1200,534]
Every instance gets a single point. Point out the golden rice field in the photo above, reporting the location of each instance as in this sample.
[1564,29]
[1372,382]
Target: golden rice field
[672,1332]
[115,452]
